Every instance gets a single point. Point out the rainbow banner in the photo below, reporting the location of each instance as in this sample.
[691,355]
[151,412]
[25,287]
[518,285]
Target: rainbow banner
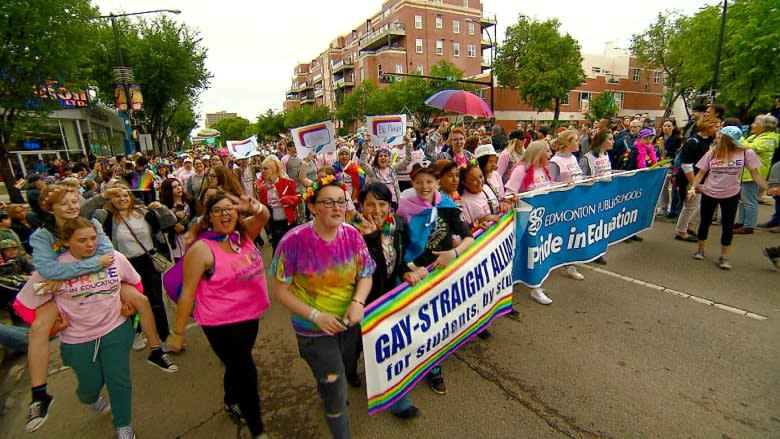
[410,330]
[386,131]
[317,138]
[243,149]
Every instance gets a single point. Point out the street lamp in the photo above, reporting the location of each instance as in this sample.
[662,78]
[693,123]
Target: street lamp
[492,61]
[124,75]
[714,89]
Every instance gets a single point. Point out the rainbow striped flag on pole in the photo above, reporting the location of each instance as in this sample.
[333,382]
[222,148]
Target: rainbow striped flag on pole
[410,330]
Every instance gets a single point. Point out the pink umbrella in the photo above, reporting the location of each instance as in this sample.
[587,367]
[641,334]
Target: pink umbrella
[460,101]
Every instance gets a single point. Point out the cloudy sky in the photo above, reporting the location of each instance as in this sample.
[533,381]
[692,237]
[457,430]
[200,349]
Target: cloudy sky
[253,46]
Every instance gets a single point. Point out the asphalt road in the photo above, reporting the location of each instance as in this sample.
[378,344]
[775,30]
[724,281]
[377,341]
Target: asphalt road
[694,353]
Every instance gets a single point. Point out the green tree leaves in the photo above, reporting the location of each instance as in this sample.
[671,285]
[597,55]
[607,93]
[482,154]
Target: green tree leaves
[540,62]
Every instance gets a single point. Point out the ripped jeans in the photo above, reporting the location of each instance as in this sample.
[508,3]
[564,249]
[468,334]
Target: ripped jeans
[326,361]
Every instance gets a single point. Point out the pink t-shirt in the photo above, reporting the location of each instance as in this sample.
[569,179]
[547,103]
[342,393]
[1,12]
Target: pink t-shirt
[236,291]
[568,168]
[723,179]
[474,207]
[90,302]
[539,181]
[496,183]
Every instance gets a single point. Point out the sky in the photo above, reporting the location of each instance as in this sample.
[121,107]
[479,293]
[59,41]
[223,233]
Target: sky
[253,46]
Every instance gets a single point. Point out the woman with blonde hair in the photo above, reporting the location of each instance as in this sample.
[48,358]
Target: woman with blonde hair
[511,155]
[565,169]
[280,194]
[723,166]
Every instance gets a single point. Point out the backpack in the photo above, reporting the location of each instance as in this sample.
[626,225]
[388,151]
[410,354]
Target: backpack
[677,163]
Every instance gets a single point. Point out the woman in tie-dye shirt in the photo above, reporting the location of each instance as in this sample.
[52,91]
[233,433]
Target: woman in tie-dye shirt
[322,273]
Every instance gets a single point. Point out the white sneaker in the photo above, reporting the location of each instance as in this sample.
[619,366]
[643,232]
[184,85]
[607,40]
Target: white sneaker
[571,271]
[538,295]
[139,343]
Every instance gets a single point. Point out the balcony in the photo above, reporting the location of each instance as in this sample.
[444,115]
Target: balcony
[486,44]
[385,35]
[344,82]
[307,99]
[306,86]
[485,64]
[487,21]
[319,92]
[317,78]
[342,65]
[400,49]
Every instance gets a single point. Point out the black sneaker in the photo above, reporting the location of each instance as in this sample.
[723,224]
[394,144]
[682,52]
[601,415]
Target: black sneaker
[484,334]
[636,238]
[600,260]
[234,411]
[37,412]
[163,361]
[437,384]
[514,313]
[354,381]
[408,413]
[773,253]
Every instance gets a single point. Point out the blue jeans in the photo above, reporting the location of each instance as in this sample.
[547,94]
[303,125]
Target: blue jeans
[748,208]
[14,338]
[775,220]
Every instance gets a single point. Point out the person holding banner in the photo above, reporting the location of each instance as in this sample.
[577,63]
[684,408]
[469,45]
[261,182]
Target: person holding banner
[532,174]
[384,234]
[565,169]
[488,162]
[434,219]
[723,167]
[596,163]
[322,272]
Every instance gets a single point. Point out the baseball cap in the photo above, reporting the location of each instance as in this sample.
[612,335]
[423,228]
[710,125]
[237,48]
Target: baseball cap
[735,133]
[187,159]
[8,243]
[425,167]
[483,150]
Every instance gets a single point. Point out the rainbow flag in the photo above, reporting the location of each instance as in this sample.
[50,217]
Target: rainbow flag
[410,330]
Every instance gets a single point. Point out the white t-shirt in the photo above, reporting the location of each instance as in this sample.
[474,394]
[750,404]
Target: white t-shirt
[724,177]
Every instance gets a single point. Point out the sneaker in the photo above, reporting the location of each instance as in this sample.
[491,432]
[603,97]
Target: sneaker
[514,313]
[773,253]
[234,411]
[571,271]
[600,260]
[699,254]
[437,383]
[125,433]
[139,342]
[102,406]
[743,230]
[37,412]
[408,413]
[163,361]
[636,238]
[354,381]
[723,262]
[775,229]
[484,335]
[538,295]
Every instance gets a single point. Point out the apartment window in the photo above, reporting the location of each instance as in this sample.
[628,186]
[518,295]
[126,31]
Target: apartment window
[420,69]
[595,70]
[471,51]
[418,45]
[636,75]
[379,70]
[440,47]
[456,26]
[456,49]
[418,21]
[399,68]
[657,79]
[619,99]
[472,27]
[565,100]
[439,22]
[465,3]
[584,101]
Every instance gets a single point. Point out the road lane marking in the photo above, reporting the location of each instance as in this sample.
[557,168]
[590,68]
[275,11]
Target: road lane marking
[702,300]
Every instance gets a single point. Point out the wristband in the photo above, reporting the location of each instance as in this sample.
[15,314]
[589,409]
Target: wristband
[313,315]
[456,252]
[357,301]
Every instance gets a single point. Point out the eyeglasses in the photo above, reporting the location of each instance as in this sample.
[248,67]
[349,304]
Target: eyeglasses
[219,211]
[341,202]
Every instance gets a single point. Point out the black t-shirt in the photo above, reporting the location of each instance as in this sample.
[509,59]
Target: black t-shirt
[694,149]
[449,222]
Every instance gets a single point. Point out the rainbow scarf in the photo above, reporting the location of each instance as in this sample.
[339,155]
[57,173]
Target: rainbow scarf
[142,181]
[356,174]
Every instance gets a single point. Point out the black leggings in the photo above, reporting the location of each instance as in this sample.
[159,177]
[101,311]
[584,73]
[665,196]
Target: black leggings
[233,345]
[278,229]
[728,212]
[152,282]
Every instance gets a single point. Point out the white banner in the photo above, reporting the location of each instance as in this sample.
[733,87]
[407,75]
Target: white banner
[386,131]
[243,149]
[317,138]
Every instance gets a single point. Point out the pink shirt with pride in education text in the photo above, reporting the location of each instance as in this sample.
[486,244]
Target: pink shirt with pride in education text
[724,176]
[90,302]
[541,179]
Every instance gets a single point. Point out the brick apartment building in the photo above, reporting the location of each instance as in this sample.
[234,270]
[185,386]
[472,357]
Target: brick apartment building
[408,36]
[405,36]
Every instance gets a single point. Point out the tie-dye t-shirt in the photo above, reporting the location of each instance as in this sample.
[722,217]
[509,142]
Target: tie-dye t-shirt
[322,274]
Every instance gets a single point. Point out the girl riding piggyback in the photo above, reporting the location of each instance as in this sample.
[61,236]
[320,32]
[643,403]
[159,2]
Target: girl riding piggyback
[645,150]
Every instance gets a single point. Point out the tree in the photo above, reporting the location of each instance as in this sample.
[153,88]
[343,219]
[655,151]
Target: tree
[355,104]
[181,125]
[411,93]
[603,105]
[40,41]
[168,61]
[269,125]
[540,62]
[654,49]
[305,115]
[232,128]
